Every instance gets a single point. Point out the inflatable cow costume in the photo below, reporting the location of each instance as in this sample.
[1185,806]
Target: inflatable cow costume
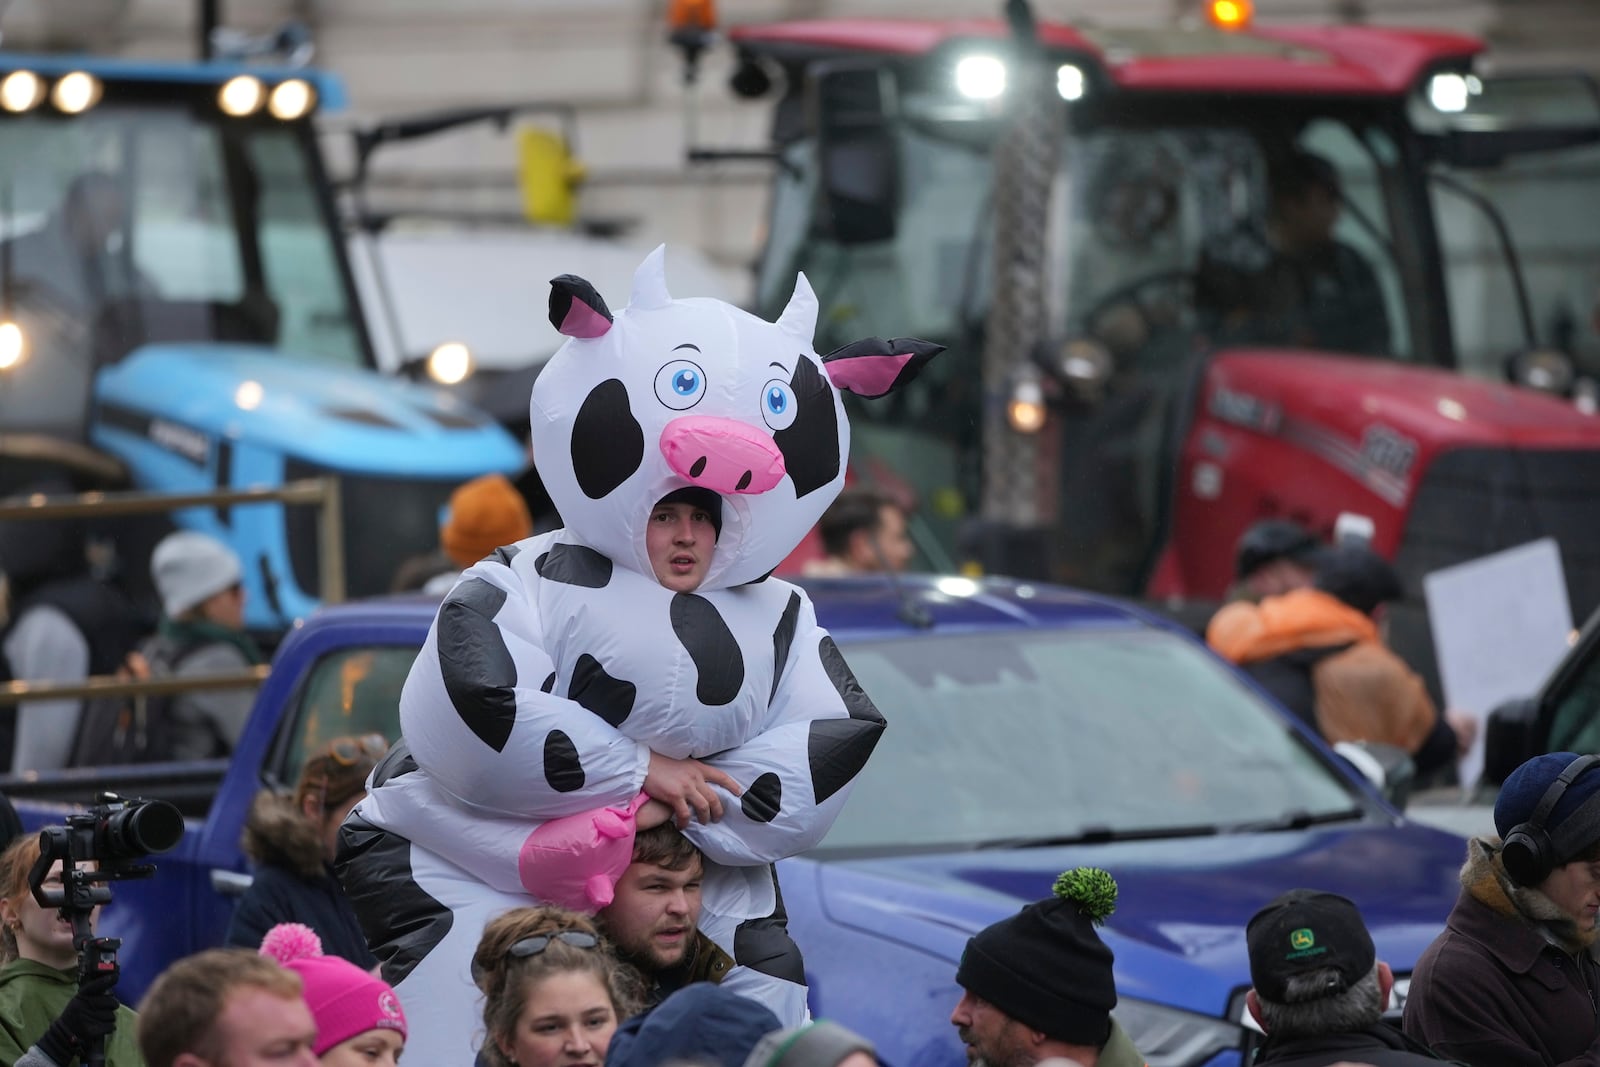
[557,665]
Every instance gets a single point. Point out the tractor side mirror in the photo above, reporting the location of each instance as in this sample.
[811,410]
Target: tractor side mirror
[850,107]
[1548,370]
[1511,738]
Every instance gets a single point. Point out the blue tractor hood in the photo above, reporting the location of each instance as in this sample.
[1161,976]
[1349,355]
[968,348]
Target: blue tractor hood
[345,419]
[1182,904]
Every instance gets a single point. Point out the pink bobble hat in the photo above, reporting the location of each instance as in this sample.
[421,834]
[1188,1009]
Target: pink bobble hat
[344,999]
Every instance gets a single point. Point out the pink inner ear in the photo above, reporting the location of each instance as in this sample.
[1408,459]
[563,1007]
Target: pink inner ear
[584,321]
[865,375]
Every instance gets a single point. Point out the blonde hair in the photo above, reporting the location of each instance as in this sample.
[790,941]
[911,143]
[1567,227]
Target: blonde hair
[15,863]
[506,981]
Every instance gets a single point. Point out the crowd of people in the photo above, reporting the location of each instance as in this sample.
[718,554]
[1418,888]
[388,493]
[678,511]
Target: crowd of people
[1511,979]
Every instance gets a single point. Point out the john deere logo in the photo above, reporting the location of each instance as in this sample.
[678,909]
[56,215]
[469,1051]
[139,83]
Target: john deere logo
[1301,940]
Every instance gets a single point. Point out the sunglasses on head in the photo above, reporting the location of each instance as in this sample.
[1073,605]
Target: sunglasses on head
[532,946]
[347,750]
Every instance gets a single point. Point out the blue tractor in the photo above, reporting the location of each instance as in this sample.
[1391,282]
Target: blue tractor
[177,315]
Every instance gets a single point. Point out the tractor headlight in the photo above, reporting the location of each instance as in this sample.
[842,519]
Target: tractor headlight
[291,99]
[21,91]
[13,345]
[980,77]
[76,93]
[242,95]
[1070,82]
[450,363]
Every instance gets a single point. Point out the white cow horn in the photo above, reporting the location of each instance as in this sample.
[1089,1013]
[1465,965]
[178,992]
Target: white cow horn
[800,317]
[650,281]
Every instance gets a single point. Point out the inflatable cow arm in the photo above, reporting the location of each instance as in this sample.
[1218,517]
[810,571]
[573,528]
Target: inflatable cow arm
[797,772]
[479,716]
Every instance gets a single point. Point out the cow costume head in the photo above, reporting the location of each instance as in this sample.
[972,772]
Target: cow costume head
[668,394]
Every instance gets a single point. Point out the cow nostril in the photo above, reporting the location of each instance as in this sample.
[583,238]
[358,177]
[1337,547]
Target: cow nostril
[698,468]
[744,482]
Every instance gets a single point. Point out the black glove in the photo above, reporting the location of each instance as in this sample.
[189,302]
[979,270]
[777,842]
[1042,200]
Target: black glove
[90,1014]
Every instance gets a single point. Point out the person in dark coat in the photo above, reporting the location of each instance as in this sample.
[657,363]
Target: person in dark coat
[1513,980]
[292,841]
[63,625]
[1320,652]
[1319,988]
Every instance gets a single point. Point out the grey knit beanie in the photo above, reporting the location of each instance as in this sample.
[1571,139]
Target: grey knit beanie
[818,1044]
[189,568]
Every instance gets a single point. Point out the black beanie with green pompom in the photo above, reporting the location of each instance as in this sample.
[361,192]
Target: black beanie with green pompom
[1046,966]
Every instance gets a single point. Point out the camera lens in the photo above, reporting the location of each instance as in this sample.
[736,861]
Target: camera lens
[138,830]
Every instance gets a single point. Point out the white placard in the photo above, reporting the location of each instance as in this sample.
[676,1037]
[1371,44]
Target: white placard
[1500,623]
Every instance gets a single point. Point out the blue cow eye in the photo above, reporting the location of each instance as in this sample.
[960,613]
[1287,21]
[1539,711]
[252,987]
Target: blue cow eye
[778,406]
[680,384]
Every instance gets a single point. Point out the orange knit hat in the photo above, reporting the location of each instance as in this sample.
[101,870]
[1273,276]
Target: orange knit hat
[485,513]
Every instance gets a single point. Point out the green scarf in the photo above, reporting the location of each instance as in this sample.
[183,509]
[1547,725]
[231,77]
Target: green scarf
[188,633]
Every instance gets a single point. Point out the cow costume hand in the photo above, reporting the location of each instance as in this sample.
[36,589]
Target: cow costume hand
[685,784]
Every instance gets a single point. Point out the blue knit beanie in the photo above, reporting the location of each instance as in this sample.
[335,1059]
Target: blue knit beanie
[1526,786]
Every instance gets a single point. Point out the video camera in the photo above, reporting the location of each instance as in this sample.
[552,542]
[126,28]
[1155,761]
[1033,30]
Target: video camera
[112,837]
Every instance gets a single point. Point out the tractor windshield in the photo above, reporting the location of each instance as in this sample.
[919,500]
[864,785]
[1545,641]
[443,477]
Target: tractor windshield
[1233,224]
[147,222]
[1177,226]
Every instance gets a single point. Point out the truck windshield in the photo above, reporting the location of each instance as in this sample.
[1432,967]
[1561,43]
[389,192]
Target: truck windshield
[1070,734]
[134,224]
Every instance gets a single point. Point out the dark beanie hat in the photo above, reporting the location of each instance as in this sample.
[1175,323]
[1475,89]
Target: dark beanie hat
[1046,966]
[1527,785]
[698,497]
[1358,576]
[1269,540]
[701,1021]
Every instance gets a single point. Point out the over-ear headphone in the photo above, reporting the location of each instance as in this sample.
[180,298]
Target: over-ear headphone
[1530,851]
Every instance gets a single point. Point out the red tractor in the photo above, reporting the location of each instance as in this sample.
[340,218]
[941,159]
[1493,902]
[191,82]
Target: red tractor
[1337,274]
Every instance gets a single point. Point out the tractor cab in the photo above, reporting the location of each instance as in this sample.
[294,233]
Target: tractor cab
[1355,203]
[137,210]
[177,317]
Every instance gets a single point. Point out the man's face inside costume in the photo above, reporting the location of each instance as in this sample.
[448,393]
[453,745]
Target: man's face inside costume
[680,538]
[653,918]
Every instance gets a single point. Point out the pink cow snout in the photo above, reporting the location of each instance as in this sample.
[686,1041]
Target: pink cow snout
[723,455]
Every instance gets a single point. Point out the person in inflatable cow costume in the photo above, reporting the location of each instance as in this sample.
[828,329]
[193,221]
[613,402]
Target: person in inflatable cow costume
[561,678]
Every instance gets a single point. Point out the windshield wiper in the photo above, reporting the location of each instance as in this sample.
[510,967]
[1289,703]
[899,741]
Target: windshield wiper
[1100,835]
[1295,820]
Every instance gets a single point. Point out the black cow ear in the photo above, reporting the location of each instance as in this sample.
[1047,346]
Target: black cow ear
[576,310]
[874,367]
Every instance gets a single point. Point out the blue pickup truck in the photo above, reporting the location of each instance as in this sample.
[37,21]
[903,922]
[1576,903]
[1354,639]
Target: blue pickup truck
[1031,728]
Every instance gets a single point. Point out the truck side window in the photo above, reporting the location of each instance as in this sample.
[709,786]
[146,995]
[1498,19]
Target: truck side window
[353,692]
